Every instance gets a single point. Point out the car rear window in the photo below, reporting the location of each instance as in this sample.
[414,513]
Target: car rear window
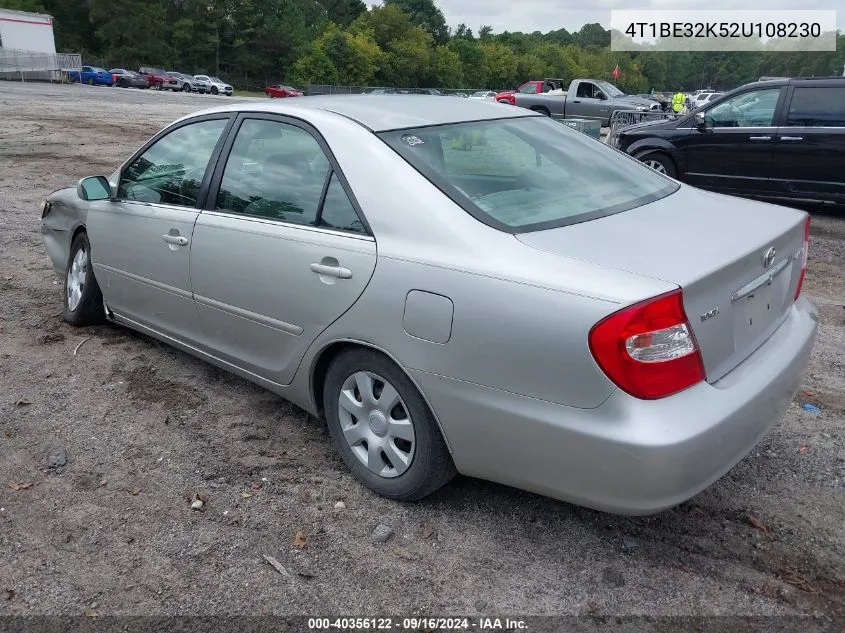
[820,106]
[529,173]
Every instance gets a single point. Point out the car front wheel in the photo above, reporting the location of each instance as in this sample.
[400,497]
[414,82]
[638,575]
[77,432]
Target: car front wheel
[83,304]
[214,90]
[383,428]
[660,163]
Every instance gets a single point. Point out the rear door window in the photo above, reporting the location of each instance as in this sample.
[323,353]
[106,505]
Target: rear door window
[279,171]
[817,107]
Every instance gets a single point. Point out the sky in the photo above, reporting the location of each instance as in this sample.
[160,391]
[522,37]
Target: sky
[550,15]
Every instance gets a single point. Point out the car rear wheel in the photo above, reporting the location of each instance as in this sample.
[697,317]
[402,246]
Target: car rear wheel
[91,81]
[383,428]
[83,304]
[214,90]
[660,163]
[186,87]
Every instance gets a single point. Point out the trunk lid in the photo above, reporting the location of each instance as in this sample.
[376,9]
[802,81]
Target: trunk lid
[717,249]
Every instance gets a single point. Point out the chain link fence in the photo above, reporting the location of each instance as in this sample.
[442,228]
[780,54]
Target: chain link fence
[22,65]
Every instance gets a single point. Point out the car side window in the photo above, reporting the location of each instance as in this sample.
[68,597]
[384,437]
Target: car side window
[275,170]
[171,170]
[586,90]
[817,107]
[338,212]
[528,89]
[750,109]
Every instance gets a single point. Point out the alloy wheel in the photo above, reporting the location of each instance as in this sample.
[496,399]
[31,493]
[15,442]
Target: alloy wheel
[76,277]
[656,165]
[376,424]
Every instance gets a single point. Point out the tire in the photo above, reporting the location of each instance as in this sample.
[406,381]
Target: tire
[186,87]
[660,162]
[429,464]
[214,90]
[83,302]
[91,81]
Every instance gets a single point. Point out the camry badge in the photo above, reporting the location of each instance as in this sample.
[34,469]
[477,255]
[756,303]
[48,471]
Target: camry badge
[769,256]
[709,315]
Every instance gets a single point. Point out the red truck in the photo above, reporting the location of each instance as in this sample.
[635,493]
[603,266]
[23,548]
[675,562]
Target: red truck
[535,87]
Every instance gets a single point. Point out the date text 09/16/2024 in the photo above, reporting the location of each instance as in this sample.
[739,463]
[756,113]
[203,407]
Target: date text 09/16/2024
[417,624]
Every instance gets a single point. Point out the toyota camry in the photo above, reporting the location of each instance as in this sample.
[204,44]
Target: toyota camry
[454,286]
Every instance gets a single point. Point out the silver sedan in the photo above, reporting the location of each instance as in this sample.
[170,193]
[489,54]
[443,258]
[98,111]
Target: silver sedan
[454,287]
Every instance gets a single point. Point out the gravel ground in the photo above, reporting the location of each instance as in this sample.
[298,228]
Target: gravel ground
[145,428]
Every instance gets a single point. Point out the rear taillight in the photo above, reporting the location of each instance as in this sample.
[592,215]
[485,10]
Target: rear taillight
[805,251]
[648,349]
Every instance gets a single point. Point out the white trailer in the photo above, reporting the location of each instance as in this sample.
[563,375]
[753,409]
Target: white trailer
[24,31]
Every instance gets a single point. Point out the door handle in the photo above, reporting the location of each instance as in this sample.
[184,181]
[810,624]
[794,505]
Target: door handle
[792,138]
[175,239]
[759,138]
[332,271]
[576,101]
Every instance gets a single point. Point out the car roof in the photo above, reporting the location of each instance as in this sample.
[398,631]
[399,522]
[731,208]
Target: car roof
[381,113]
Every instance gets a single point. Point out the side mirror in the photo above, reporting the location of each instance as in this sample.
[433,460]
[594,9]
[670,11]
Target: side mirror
[601,96]
[94,188]
[700,120]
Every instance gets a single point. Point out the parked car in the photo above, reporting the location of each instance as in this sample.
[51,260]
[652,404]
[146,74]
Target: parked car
[575,363]
[202,86]
[216,85]
[486,95]
[280,91]
[425,91]
[91,75]
[782,138]
[128,78]
[157,78]
[381,91]
[177,82]
[534,87]
[704,97]
[585,99]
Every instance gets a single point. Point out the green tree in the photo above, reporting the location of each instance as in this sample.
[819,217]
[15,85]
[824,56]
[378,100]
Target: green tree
[500,65]
[343,12]
[472,61]
[447,71]
[123,43]
[426,15]
[355,57]
[314,67]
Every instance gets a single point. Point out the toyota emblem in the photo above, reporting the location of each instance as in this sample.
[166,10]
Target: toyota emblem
[769,256]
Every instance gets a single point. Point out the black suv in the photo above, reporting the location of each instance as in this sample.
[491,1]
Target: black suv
[782,138]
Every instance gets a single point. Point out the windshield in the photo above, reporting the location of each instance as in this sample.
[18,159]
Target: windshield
[609,89]
[527,173]
[216,80]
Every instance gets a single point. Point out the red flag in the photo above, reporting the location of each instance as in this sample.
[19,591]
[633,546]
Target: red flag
[616,72]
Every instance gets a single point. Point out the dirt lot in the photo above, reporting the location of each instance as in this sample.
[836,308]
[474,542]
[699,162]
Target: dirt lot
[146,427]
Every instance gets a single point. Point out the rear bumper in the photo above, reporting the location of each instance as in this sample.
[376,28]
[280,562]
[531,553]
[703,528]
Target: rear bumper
[627,456]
